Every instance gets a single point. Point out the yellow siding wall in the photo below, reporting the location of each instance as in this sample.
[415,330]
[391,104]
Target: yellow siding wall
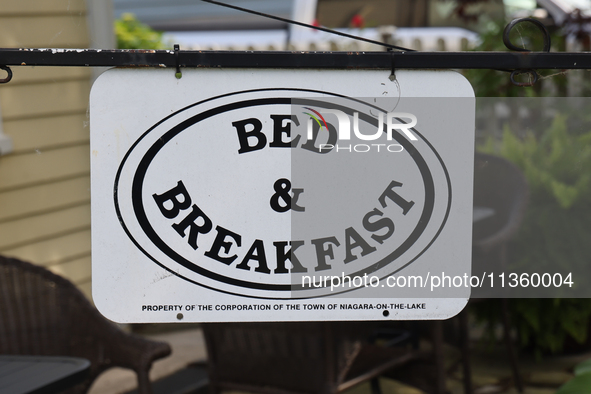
[45,181]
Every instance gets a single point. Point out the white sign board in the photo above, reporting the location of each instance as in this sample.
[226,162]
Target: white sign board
[281,195]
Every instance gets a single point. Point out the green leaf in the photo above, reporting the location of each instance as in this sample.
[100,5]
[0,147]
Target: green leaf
[583,368]
[133,34]
[580,384]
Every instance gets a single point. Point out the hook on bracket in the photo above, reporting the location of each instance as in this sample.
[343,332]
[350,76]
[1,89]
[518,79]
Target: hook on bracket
[8,76]
[393,69]
[531,82]
[178,74]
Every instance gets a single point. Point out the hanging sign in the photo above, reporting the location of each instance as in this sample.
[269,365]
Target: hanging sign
[281,195]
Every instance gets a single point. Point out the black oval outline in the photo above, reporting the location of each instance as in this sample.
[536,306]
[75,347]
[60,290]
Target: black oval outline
[290,287]
[151,153]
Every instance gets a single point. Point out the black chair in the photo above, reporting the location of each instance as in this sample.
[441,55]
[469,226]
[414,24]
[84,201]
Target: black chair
[44,314]
[280,358]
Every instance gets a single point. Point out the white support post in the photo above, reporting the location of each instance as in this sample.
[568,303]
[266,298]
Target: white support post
[100,18]
[303,11]
[5,141]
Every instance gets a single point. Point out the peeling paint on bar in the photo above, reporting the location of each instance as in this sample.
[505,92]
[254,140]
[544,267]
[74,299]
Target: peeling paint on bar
[288,59]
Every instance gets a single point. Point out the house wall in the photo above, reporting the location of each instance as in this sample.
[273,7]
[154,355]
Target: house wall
[45,180]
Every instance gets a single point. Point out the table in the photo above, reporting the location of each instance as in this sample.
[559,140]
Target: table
[40,374]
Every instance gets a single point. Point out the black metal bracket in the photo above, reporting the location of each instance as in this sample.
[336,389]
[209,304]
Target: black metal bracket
[295,59]
[507,41]
[514,62]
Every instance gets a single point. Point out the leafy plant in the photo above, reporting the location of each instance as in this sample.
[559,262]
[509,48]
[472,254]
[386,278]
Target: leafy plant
[133,34]
[581,383]
[544,324]
[555,233]
[556,164]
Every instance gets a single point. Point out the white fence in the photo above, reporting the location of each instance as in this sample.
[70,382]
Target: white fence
[423,39]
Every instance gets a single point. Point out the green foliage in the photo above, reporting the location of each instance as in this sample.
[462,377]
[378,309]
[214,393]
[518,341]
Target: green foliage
[583,367]
[555,233]
[546,323]
[133,34]
[543,324]
[555,164]
[578,385]
[581,383]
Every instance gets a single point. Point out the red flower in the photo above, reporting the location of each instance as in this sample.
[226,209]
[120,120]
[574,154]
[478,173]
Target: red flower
[357,21]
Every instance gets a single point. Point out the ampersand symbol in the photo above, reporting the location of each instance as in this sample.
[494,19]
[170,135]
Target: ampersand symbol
[282,187]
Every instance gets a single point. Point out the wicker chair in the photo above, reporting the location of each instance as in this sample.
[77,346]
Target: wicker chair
[282,358]
[44,314]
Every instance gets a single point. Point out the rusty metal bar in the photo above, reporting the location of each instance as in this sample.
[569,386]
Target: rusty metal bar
[322,60]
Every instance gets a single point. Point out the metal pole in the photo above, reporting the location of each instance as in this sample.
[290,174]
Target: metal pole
[333,60]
